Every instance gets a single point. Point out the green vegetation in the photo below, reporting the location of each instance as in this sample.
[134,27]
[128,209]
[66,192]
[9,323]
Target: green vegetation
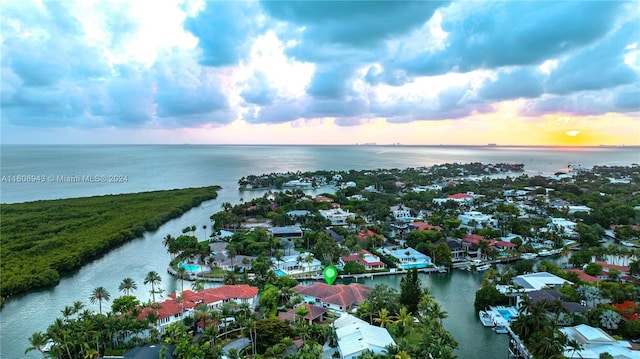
[42,240]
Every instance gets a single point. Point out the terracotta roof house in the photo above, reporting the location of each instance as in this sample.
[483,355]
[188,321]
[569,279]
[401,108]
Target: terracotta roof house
[423,226]
[582,275]
[171,311]
[338,297]
[315,314]
[364,257]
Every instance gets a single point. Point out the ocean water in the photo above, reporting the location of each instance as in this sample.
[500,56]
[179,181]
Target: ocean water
[165,167]
[150,167]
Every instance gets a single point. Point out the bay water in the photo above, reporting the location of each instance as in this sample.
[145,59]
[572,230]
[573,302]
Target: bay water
[156,167]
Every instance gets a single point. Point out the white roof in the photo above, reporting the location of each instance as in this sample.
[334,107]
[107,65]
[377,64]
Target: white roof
[537,281]
[347,319]
[357,337]
[595,342]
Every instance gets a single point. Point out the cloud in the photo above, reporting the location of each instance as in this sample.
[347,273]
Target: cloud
[599,66]
[359,24]
[491,35]
[257,90]
[224,30]
[512,83]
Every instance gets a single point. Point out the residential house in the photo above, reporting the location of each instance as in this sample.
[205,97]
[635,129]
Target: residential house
[287,233]
[458,251]
[315,314]
[423,226]
[364,257]
[337,216]
[303,262]
[595,342]
[408,257]
[338,297]
[534,281]
[477,219]
[401,213]
[356,336]
[172,310]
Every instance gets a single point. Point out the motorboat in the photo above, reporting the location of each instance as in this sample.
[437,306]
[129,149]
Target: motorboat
[528,255]
[500,329]
[486,319]
[483,267]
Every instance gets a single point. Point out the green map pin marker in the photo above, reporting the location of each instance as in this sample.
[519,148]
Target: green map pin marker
[330,274]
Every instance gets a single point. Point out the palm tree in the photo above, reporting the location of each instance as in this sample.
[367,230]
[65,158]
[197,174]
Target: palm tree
[182,272]
[127,285]
[383,317]
[575,346]
[153,278]
[37,341]
[99,294]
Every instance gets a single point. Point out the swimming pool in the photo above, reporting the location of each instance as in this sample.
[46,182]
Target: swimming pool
[414,265]
[505,313]
[280,272]
[193,268]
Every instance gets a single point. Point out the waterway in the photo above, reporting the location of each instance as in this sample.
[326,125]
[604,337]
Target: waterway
[166,167]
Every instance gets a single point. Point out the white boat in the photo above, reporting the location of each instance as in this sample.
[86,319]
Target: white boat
[483,267]
[627,244]
[486,319]
[544,253]
[528,255]
[500,329]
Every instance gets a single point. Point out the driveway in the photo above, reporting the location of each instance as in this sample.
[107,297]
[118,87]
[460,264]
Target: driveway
[238,344]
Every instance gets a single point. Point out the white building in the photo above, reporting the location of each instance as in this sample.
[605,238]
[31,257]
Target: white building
[337,216]
[401,213]
[594,342]
[478,218]
[300,263]
[408,257]
[565,226]
[534,281]
[356,336]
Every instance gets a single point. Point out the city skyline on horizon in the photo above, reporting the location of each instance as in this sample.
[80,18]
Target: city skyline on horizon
[321,73]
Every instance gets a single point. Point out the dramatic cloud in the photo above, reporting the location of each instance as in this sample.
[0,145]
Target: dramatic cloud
[192,65]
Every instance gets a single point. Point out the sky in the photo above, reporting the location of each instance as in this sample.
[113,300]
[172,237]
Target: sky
[311,72]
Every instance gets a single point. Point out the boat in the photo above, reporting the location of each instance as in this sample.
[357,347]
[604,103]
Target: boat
[627,244]
[483,267]
[500,329]
[544,253]
[486,319]
[528,255]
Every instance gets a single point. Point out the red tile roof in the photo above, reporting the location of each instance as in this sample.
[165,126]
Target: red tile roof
[583,276]
[313,312]
[323,199]
[339,294]
[367,234]
[421,226]
[460,196]
[623,269]
[193,299]
[355,257]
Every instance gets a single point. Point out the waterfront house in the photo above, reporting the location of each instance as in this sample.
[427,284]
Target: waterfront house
[458,251]
[595,342]
[537,281]
[303,262]
[339,297]
[364,257]
[171,311]
[408,257]
[356,336]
